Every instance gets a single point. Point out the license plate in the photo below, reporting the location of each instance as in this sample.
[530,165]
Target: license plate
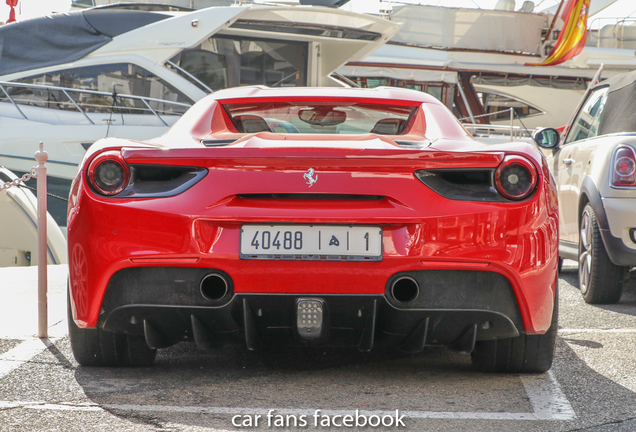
[311,242]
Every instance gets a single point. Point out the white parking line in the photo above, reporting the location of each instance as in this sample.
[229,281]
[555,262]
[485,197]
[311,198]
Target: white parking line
[546,398]
[26,350]
[16,357]
[572,331]
[88,406]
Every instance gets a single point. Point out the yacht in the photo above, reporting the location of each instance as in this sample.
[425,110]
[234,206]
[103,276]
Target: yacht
[132,70]
[19,236]
[477,61]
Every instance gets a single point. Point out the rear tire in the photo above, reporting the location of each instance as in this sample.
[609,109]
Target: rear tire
[98,347]
[600,281]
[521,354]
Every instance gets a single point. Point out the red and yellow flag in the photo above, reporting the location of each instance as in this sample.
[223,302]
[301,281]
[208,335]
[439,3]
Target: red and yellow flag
[572,37]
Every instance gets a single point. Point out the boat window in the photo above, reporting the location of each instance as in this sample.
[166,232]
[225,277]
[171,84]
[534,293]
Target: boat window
[84,3]
[38,97]
[586,123]
[221,62]
[435,89]
[314,117]
[124,79]
[321,30]
[495,103]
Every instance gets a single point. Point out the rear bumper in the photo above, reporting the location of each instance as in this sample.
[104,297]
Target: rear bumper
[453,308]
[619,238]
[421,231]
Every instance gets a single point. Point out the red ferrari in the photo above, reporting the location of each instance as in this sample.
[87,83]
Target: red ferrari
[315,217]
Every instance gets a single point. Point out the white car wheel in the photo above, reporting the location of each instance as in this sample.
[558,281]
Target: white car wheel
[600,280]
[585,254]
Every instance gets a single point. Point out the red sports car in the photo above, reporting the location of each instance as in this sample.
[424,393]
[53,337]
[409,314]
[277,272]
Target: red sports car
[317,217]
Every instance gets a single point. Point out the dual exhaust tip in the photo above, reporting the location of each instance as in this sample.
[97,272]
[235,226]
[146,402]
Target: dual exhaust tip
[215,286]
[405,289]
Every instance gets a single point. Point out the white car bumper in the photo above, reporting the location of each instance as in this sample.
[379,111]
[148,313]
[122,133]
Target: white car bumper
[621,217]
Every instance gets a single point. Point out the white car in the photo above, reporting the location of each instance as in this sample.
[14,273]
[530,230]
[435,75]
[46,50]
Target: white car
[595,171]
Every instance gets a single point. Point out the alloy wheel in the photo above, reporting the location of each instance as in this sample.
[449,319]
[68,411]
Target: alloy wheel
[585,252]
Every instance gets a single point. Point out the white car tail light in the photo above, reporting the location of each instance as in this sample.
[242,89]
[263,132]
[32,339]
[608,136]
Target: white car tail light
[624,167]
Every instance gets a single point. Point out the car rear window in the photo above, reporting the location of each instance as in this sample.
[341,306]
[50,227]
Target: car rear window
[320,117]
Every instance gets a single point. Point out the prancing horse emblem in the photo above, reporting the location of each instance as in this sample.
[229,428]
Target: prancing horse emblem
[309,176]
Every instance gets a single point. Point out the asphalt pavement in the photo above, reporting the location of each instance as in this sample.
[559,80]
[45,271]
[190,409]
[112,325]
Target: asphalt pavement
[591,386]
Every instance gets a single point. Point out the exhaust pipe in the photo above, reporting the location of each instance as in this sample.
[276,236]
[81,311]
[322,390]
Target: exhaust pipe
[405,289]
[214,287]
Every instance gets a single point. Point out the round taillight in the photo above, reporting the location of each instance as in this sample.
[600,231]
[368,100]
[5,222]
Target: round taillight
[624,173]
[625,166]
[108,174]
[516,178]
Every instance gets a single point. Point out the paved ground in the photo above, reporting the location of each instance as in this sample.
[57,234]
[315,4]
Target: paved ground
[590,388]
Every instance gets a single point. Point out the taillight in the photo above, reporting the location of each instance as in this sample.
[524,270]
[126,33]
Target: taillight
[624,167]
[515,178]
[108,174]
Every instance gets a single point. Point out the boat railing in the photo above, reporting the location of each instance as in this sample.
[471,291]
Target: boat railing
[498,130]
[88,102]
[609,32]
[514,132]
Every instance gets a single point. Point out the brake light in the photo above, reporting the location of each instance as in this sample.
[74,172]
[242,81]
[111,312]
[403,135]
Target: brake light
[515,178]
[624,167]
[108,174]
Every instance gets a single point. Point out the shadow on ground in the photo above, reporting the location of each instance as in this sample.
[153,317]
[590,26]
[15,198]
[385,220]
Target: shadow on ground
[437,380]
[627,303]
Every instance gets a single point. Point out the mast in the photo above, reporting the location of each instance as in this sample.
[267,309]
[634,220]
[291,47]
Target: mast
[556,15]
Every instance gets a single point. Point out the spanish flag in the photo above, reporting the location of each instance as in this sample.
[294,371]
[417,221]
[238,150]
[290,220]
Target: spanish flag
[572,37]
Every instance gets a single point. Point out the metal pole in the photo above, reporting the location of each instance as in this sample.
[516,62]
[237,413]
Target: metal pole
[556,16]
[461,93]
[41,156]
[512,121]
